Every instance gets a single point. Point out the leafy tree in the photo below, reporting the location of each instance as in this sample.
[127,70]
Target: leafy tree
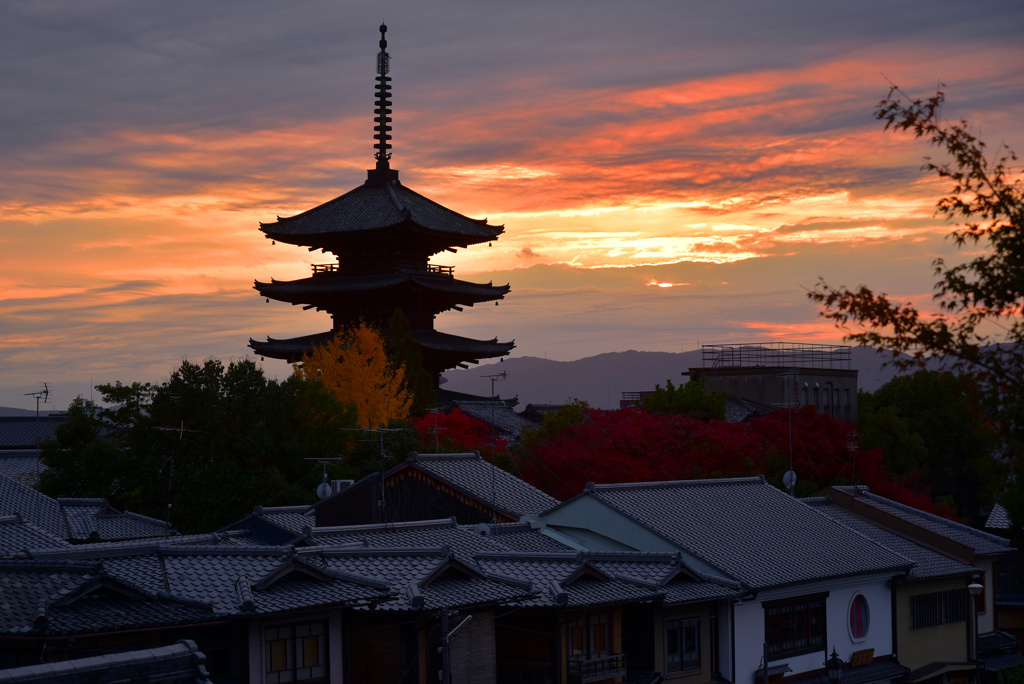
[691,399]
[454,432]
[631,445]
[212,442]
[405,352]
[979,326]
[931,427]
[355,367]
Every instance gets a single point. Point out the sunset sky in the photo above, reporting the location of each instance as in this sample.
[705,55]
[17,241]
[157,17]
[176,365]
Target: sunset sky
[668,173]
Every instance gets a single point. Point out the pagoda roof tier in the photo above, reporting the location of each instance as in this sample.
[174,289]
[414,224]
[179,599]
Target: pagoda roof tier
[379,205]
[449,350]
[324,289]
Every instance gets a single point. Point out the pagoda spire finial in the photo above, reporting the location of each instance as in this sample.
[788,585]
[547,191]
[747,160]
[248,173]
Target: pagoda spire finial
[383,110]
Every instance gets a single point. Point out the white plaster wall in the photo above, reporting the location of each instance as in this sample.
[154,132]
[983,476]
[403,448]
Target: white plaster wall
[749,618]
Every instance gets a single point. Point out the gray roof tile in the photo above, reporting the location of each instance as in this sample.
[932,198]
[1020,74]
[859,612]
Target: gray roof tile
[475,476]
[750,530]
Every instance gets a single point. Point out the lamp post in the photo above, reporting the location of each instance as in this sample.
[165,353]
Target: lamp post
[976,590]
[834,668]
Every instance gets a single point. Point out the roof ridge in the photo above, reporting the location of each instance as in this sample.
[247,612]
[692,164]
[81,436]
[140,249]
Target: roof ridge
[938,518]
[338,552]
[385,527]
[456,456]
[661,484]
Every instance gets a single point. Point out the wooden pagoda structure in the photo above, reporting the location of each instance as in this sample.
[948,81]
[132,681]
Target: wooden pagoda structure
[383,236]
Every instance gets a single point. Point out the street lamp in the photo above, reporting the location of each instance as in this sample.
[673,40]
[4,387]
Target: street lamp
[834,668]
[976,590]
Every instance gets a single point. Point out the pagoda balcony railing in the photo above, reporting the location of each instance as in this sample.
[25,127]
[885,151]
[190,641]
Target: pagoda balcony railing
[441,270]
[325,268]
[584,671]
[434,269]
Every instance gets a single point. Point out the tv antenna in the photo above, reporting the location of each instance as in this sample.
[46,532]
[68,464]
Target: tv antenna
[496,377]
[41,396]
[324,489]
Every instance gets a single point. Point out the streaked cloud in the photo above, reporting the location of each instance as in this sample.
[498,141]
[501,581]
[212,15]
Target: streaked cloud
[667,172]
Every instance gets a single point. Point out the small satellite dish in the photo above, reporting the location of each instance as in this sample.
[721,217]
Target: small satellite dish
[324,490]
[789,479]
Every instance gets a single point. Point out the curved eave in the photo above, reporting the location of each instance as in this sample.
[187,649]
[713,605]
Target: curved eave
[453,349]
[379,207]
[317,287]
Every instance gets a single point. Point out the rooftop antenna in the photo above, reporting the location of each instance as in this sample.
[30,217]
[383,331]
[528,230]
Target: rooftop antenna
[789,479]
[41,396]
[383,458]
[324,489]
[436,429]
[496,377]
[177,434]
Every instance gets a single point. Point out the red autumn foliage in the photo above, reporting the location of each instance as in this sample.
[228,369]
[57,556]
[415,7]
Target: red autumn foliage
[631,445]
[455,432]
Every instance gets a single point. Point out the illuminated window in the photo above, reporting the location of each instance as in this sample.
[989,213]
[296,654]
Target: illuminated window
[860,618]
[683,647]
[296,653]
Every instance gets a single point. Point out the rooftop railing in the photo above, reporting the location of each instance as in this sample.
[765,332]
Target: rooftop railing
[777,354]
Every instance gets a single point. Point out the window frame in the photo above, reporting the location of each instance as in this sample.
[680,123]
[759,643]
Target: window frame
[866,617]
[287,635]
[809,611]
[681,625]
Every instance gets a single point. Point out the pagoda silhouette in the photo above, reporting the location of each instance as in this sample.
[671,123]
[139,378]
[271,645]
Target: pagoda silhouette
[383,235]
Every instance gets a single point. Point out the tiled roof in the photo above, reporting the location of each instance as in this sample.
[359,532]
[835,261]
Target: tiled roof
[373,207]
[984,544]
[314,288]
[506,422]
[430,340]
[740,410]
[998,519]
[927,563]
[24,432]
[34,507]
[478,478]
[291,518]
[21,466]
[749,530]
[16,535]
[63,597]
[463,540]
[182,662]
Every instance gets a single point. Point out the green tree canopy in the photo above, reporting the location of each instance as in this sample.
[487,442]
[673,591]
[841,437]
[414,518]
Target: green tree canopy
[212,441]
[691,399]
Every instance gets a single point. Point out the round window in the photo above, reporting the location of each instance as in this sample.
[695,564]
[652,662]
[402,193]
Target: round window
[860,618]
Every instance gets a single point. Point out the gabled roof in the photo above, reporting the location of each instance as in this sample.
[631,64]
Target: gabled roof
[928,563]
[53,597]
[378,206]
[479,479]
[982,543]
[26,432]
[506,422]
[182,662]
[747,529]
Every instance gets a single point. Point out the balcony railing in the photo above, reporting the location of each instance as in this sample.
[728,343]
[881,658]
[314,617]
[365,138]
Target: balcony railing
[597,669]
[437,269]
[441,270]
[325,268]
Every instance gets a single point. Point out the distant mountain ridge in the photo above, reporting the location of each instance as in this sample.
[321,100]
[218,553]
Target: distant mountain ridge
[600,380]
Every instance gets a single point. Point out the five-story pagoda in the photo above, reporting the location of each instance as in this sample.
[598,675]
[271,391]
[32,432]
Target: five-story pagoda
[383,236]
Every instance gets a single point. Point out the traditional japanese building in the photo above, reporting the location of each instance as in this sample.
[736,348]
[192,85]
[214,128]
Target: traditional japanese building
[383,235]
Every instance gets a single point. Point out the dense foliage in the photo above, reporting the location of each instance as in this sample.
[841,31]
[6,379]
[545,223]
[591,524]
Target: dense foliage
[355,366]
[931,427]
[691,399]
[632,445]
[203,447]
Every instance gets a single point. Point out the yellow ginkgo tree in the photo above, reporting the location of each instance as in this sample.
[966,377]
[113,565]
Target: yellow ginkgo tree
[354,365]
